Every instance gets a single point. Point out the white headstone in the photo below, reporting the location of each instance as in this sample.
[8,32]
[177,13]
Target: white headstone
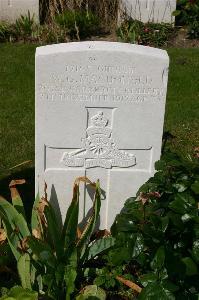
[10,10]
[99,112]
[157,11]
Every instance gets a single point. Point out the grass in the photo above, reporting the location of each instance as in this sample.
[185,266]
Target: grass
[182,108]
[17,103]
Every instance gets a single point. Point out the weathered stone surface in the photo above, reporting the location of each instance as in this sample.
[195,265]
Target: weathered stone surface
[100,113]
[156,11]
[10,10]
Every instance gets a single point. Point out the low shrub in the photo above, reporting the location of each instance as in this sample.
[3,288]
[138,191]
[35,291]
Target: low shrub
[6,32]
[78,24]
[51,258]
[25,26]
[157,234]
[149,34]
[187,13]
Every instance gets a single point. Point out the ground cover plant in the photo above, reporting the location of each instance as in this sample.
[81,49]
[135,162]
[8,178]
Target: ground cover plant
[152,252]
[149,34]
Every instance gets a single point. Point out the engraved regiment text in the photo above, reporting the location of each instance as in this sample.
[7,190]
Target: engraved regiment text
[102,83]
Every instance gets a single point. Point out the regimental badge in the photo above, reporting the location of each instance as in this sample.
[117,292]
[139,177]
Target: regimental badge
[99,149]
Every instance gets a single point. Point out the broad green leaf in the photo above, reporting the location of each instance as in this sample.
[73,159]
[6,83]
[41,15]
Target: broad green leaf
[18,293]
[158,261]
[15,219]
[160,165]
[100,245]
[23,266]
[182,203]
[165,223]
[191,267]
[138,245]
[92,292]
[71,274]
[13,239]
[35,221]
[155,291]
[93,218]
[54,230]
[180,187]
[42,252]
[195,187]
[148,278]
[176,13]
[69,232]
[16,199]
[195,250]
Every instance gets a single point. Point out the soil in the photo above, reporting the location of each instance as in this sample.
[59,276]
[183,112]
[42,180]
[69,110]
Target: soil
[180,40]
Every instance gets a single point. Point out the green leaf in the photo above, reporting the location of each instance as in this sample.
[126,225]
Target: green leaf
[195,187]
[88,230]
[195,250]
[53,231]
[100,245]
[180,187]
[42,252]
[71,274]
[176,13]
[69,232]
[160,165]
[15,219]
[35,221]
[92,292]
[18,293]
[23,266]
[182,203]
[148,278]
[158,261]
[155,291]
[16,199]
[191,267]
[13,239]
[165,223]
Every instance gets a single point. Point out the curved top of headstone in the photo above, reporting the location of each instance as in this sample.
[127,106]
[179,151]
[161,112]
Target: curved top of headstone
[101,46]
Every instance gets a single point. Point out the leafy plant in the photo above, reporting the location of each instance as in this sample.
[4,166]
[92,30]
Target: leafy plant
[6,31]
[157,234]
[149,34]
[187,13]
[79,24]
[92,292]
[49,258]
[18,293]
[25,26]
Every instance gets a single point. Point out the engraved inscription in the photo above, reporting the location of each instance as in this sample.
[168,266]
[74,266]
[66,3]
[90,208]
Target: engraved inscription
[99,148]
[100,83]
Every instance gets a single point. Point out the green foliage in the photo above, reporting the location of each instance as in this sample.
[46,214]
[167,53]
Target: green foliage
[149,34]
[187,13]
[18,293]
[49,258]
[79,24]
[6,31]
[25,26]
[159,232]
[92,292]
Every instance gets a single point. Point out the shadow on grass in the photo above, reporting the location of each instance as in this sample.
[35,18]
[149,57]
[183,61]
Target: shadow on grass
[26,191]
